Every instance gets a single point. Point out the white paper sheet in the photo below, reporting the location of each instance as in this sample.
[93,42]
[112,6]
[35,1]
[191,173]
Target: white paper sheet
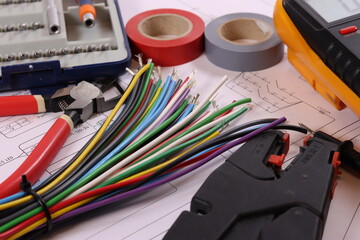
[278,91]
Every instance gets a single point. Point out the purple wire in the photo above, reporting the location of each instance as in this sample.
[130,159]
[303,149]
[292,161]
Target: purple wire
[169,177]
[174,107]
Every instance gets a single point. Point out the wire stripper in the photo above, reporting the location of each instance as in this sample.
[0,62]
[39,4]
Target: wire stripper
[251,197]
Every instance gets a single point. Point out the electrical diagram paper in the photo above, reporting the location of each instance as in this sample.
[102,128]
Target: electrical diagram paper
[276,92]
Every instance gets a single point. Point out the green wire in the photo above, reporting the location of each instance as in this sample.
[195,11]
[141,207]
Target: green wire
[201,123]
[142,95]
[151,107]
[69,190]
[151,162]
[112,160]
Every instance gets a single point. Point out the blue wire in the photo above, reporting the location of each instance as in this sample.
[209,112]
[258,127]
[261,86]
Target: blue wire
[187,111]
[16,195]
[159,101]
[22,194]
[146,122]
[156,179]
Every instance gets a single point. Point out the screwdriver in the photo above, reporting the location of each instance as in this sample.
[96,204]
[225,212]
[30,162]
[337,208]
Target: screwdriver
[348,154]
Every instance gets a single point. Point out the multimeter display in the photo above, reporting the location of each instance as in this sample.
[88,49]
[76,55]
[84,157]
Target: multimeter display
[331,29]
[338,9]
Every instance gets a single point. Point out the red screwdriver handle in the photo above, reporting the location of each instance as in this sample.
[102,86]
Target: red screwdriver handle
[22,104]
[40,158]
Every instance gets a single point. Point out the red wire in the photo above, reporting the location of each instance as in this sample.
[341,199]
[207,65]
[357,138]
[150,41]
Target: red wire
[182,84]
[94,192]
[162,143]
[136,160]
[104,189]
[137,111]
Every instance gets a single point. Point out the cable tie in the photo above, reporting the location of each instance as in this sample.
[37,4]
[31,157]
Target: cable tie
[25,185]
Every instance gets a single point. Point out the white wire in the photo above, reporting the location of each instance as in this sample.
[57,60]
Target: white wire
[168,106]
[177,142]
[148,146]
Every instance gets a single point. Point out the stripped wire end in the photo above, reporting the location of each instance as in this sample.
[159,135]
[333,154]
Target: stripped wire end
[130,71]
[175,75]
[139,58]
[192,74]
[158,70]
[307,128]
[225,125]
[213,96]
[249,106]
[192,83]
[214,105]
[195,99]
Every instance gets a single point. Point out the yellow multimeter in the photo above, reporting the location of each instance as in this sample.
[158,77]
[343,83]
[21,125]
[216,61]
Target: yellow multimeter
[324,46]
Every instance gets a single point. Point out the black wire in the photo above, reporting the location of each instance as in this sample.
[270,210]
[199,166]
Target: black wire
[178,83]
[35,234]
[21,209]
[101,154]
[223,138]
[63,168]
[122,116]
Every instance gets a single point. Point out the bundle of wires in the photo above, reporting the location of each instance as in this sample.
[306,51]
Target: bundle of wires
[155,133]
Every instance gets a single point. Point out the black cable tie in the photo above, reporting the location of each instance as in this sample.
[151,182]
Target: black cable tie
[25,185]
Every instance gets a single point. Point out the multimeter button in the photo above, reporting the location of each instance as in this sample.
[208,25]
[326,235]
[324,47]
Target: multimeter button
[348,30]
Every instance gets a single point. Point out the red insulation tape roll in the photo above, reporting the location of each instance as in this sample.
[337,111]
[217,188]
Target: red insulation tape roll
[168,36]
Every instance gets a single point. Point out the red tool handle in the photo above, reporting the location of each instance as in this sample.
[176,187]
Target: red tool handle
[40,158]
[19,105]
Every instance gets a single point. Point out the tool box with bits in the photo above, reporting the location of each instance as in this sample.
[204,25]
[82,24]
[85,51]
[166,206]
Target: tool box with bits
[45,43]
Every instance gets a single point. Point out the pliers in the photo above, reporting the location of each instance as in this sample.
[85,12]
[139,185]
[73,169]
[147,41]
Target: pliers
[251,197]
[78,102]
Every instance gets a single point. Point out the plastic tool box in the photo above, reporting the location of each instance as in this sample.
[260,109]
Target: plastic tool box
[45,43]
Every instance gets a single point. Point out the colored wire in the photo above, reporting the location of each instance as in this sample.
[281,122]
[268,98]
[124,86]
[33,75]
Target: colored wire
[135,176]
[158,140]
[88,148]
[45,198]
[60,187]
[132,118]
[183,142]
[76,199]
[163,114]
[169,178]
[127,160]
[302,130]
[169,106]
[37,210]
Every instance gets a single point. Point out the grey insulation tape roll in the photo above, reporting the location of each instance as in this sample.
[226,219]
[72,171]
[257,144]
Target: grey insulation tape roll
[243,42]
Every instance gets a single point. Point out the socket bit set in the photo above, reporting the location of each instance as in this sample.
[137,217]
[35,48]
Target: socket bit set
[46,43]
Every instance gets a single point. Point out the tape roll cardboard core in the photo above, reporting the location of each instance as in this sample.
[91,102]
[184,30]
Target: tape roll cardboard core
[165,26]
[243,42]
[168,36]
[245,31]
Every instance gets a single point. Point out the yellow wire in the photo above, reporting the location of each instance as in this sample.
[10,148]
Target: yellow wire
[84,201]
[157,167]
[53,216]
[87,149]
[157,93]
